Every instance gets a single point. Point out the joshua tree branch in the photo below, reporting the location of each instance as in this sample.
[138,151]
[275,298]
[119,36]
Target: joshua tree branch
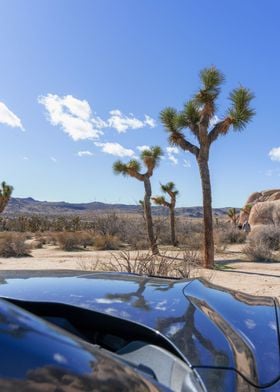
[178,139]
[221,128]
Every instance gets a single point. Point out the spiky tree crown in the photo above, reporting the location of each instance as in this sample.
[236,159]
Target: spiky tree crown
[6,190]
[199,110]
[151,157]
[126,168]
[159,200]
[170,188]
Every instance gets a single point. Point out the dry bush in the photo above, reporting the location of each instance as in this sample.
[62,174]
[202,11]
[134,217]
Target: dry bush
[269,235]
[106,242]
[144,263]
[230,235]
[68,241]
[258,251]
[73,240]
[262,243]
[86,239]
[13,245]
[190,233]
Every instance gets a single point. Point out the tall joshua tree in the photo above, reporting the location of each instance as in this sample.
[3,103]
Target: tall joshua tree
[169,188]
[150,159]
[5,194]
[197,116]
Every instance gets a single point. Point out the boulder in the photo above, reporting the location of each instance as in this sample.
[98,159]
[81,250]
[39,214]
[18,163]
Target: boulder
[262,208]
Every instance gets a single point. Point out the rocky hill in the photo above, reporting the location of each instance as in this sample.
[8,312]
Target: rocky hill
[23,206]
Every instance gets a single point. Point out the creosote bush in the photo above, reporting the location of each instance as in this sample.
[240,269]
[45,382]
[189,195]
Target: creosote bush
[74,240]
[263,241]
[230,235]
[13,245]
[106,242]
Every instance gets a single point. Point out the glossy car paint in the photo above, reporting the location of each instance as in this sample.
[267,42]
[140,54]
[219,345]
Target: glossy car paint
[232,339]
[37,356]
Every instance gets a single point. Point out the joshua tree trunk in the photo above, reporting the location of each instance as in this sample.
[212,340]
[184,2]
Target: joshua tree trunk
[148,215]
[207,213]
[172,226]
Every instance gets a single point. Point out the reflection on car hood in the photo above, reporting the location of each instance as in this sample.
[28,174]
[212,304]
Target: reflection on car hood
[211,326]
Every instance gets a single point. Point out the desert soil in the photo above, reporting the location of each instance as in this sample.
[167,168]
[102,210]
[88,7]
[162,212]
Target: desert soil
[235,273]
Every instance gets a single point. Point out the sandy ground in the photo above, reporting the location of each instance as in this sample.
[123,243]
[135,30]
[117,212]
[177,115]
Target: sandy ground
[237,273]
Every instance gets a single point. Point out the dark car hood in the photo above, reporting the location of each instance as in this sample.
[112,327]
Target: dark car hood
[212,327]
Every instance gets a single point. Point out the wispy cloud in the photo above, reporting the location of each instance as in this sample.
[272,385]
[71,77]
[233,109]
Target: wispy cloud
[25,158]
[53,159]
[9,118]
[115,149]
[186,163]
[84,153]
[171,151]
[74,116]
[274,154]
[122,123]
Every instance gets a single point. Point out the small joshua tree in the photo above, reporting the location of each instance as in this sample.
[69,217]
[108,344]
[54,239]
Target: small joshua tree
[5,195]
[197,116]
[233,216]
[169,188]
[150,158]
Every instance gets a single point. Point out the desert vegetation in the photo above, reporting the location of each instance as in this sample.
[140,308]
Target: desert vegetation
[197,117]
[150,158]
[169,189]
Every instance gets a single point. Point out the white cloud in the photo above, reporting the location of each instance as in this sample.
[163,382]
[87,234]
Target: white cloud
[143,148]
[172,150]
[122,123]
[53,159]
[73,115]
[150,121]
[115,149]
[186,163]
[25,158]
[170,154]
[213,121]
[173,159]
[84,153]
[274,154]
[76,119]
[9,118]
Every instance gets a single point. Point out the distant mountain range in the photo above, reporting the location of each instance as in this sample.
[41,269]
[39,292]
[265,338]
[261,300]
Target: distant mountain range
[23,206]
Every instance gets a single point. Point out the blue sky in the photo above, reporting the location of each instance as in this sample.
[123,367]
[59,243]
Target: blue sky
[84,81]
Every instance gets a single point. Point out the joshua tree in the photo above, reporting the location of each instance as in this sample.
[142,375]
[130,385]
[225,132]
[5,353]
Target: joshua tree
[5,194]
[233,216]
[199,117]
[169,188]
[150,159]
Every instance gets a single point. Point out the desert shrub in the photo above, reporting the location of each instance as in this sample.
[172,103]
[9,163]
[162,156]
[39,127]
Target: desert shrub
[262,242]
[190,233]
[144,263]
[68,241]
[110,224]
[268,235]
[230,235]
[86,239]
[258,251]
[106,242]
[13,245]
